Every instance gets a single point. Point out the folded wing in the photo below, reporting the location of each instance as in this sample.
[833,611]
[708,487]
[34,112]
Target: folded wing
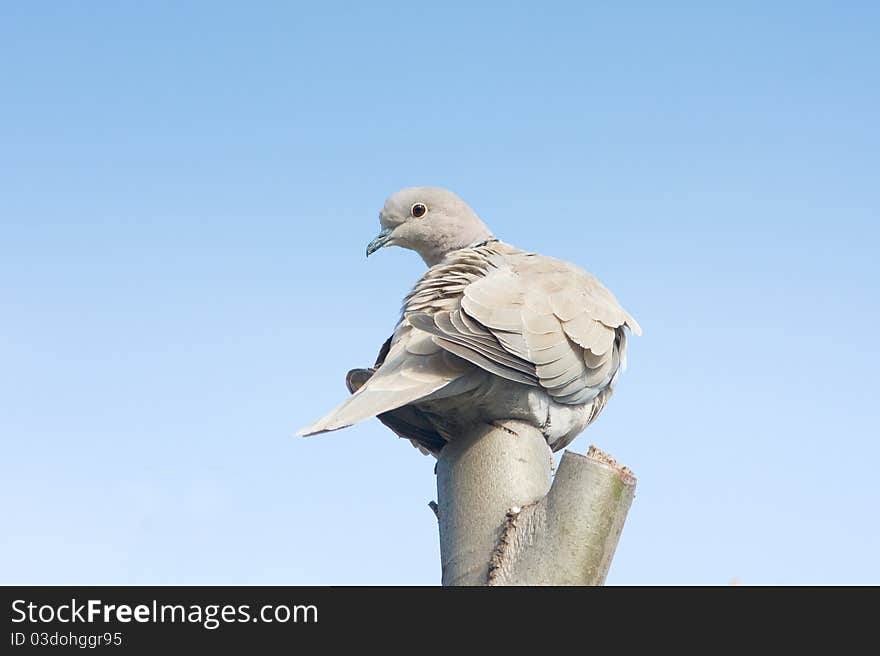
[534,320]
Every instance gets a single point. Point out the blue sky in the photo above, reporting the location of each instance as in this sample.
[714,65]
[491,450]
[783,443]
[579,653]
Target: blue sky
[186,192]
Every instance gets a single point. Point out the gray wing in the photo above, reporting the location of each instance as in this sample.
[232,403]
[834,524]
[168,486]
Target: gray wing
[538,321]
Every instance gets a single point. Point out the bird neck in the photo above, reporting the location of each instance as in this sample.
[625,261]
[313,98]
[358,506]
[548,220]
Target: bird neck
[447,243]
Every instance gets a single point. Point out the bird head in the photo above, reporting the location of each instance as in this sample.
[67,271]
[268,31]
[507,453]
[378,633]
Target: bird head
[429,220]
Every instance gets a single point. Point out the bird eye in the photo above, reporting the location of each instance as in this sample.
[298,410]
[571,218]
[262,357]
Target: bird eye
[418,210]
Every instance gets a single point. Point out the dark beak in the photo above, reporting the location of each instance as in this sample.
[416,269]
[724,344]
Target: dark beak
[381,240]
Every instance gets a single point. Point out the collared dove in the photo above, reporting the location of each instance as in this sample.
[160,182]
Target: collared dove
[489,333]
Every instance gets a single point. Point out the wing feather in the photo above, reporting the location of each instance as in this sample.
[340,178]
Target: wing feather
[531,319]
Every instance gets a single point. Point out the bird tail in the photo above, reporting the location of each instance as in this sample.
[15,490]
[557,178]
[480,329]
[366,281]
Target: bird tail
[368,402]
[413,368]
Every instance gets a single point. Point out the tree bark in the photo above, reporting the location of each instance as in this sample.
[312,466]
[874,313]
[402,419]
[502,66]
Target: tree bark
[501,522]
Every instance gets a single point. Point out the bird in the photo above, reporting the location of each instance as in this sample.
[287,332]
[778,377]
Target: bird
[489,333]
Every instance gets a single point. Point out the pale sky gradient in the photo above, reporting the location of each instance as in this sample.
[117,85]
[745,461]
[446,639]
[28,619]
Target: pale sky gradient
[186,192]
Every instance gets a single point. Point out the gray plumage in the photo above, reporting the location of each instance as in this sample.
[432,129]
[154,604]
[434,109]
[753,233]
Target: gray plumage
[489,333]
